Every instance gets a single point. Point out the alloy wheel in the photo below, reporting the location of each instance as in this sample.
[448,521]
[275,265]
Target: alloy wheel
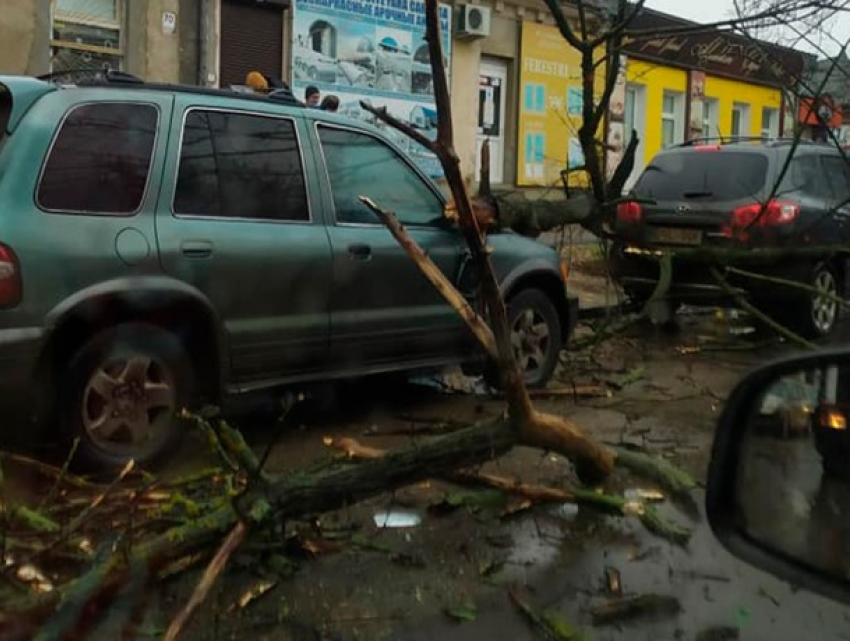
[530,340]
[824,306]
[128,404]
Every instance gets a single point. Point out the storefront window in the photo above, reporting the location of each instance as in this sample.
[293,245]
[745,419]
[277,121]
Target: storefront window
[740,120]
[86,34]
[710,118]
[769,123]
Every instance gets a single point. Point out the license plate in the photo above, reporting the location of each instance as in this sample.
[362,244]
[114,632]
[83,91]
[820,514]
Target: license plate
[677,235]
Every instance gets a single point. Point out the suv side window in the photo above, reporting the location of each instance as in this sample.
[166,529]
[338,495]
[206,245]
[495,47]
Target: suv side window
[100,159]
[360,164]
[802,177]
[837,174]
[235,165]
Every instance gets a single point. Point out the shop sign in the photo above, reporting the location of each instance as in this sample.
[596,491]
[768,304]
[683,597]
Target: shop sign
[550,106]
[714,52]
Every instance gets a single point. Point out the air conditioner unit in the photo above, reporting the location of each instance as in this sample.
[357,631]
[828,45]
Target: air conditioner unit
[473,21]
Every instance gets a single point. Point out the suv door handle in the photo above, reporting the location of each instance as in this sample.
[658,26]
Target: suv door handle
[359,252]
[196,248]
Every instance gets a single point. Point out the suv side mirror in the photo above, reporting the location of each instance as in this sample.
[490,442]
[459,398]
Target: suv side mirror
[778,491]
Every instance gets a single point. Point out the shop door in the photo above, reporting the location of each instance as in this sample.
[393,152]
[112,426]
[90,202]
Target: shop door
[251,39]
[493,77]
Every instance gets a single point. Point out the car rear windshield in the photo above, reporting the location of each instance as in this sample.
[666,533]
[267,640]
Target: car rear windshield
[703,175]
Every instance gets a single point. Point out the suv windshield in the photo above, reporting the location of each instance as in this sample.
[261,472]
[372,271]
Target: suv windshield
[704,175]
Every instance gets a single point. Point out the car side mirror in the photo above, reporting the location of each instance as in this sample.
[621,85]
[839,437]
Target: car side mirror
[778,491]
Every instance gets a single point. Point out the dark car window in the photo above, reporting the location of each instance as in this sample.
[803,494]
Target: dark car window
[705,175]
[240,166]
[361,165]
[100,159]
[837,173]
[5,111]
[803,177]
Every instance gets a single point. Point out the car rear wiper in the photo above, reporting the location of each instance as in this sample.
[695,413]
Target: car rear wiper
[697,194]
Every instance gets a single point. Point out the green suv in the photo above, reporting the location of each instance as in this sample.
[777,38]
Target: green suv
[165,246]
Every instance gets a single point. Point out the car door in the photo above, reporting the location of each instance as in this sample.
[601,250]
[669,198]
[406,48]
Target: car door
[383,310]
[236,223]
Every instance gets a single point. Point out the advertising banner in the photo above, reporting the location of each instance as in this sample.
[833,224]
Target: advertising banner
[374,51]
[550,107]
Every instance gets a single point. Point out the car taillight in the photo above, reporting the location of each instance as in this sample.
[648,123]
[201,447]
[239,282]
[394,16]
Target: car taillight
[775,212]
[629,212]
[10,277]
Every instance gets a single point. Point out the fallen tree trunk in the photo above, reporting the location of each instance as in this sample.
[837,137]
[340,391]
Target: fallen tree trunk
[532,217]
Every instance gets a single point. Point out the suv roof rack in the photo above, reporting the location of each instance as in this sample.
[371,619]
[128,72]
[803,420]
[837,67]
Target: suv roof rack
[112,78]
[92,76]
[731,140]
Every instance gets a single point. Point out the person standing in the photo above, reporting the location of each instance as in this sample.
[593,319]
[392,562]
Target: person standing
[312,96]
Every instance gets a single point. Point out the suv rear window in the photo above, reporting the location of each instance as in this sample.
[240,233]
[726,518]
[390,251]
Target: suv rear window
[708,175]
[100,159]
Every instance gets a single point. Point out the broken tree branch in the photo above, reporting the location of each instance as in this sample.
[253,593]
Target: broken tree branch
[214,569]
[406,128]
[475,323]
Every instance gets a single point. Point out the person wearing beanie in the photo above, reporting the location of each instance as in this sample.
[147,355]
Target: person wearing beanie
[257,81]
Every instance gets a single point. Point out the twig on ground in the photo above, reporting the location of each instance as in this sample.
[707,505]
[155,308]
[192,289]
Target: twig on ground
[57,483]
[214,569]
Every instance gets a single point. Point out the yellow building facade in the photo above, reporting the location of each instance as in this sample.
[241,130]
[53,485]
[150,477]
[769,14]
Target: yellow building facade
[705,85]
[669,105]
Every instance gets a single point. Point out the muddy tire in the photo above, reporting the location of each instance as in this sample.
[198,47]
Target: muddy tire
[122,392]
[536,337]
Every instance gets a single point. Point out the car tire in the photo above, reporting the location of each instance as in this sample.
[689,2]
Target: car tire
[536,336]
[123,391]
[820,314]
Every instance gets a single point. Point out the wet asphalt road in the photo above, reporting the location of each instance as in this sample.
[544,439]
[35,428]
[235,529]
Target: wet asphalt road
[667,393]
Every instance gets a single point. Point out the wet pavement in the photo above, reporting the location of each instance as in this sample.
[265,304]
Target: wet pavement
[448,575]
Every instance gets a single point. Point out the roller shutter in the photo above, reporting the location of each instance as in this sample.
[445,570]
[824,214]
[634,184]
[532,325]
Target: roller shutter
[251,38]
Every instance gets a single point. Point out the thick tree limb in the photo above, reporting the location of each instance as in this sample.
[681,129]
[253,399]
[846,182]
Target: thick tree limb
[655,468]
[532,217]
[357,451]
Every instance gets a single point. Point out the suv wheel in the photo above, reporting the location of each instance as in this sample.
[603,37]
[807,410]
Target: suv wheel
[819,315]
[535,335]
[125,388]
